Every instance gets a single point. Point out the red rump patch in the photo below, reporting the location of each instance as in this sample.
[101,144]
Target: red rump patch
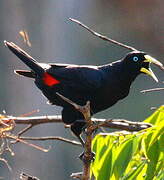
[49,80]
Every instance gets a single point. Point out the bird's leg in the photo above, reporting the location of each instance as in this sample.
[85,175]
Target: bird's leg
[81,156]
[81,140]
[77,128]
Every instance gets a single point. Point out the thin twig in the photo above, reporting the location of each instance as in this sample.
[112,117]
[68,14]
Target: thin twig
[51,138]
[69,101]
[122,124]
[105,38]
[25,142]
[151,90]
[6,163]
[25,129]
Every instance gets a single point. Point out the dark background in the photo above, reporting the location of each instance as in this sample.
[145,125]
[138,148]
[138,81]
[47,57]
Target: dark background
[54,38]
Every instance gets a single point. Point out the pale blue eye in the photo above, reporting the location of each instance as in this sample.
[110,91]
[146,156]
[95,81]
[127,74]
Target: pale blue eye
[135,58]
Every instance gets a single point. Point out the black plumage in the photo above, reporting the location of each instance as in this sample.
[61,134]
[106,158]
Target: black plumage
[102,85]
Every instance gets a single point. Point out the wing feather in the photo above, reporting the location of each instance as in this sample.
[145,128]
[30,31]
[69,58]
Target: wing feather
[83,78]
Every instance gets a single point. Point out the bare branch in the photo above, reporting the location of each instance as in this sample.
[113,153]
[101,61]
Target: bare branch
[121,124]
[69,101]
[7,135]
[87,156]
[105,38]
[7,164]
[35,120]
[25,129]
[151,90]
[51,138]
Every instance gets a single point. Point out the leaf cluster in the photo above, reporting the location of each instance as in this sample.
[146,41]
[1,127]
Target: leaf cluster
[131,156]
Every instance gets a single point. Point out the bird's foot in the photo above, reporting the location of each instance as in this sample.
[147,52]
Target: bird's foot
[87,157]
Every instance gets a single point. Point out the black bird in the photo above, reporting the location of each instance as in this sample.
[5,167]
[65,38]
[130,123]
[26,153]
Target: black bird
[102,85]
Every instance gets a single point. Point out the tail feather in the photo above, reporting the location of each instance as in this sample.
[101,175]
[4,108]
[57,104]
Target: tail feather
[18,51]
[25,73]
[26,58]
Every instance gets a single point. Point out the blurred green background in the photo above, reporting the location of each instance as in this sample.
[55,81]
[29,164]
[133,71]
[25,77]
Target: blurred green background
[54,38]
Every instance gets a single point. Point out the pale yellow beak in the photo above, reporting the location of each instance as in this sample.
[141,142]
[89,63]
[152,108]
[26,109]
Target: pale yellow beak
[149,71]
[152,60]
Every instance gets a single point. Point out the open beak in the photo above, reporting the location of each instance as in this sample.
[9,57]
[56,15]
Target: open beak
[148,71]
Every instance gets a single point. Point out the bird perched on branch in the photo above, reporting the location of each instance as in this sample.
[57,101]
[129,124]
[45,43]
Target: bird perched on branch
[102,85]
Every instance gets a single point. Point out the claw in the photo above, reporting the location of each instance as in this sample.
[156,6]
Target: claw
[86,160]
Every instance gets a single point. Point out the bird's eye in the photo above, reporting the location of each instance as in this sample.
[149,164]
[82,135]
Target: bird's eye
[135,58]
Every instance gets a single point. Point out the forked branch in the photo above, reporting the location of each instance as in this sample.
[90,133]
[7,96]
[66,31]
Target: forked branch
[87,156]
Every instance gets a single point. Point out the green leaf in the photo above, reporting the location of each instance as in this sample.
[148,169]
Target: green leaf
[106,165]
[153,155]
[99,147]
[135,172]
[101,144]
[158,131]
[161,142]
[157,117]
[125,152]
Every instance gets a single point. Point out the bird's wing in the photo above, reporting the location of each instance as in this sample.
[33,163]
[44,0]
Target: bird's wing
[83,78]
[60,65]
[31,74]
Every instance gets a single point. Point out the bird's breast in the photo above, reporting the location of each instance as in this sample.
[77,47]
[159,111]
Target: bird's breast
[108,95]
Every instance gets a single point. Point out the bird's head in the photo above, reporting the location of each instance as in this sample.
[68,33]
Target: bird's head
[139,62]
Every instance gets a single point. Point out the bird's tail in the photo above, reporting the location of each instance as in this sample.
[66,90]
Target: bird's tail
[27,59]
[29,74]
